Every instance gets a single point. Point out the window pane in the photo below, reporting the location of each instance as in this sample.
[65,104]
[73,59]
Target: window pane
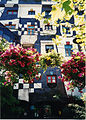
[13,27]
[10,12]
[7,26]
[49,48]
[49,78]
[49,81]
[28,32]
[68,50]
[31,13]
[32,31]
[53,81]
[14,13]
[31,27]
[53,78]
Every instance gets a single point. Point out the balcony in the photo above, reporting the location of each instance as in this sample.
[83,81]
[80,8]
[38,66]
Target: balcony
[48,2]
[28,40]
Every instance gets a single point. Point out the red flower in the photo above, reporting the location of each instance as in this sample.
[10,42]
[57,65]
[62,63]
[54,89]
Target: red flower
[75,71]
[29,63]
[29,72]
[10,63]
[22,65]
[80,74]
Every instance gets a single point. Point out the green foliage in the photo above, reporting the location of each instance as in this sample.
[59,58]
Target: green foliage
[9,104]
[46,21]
[3,45]
[50,59]
[75,108]
[67,8]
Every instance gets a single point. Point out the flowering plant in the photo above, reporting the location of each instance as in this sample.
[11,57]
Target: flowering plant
[74,71]
[84,97]
[21,61]
[50,59]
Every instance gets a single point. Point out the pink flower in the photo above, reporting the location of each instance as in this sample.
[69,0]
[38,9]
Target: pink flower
[5,83]
[6,73]
[9,80]
[59,77]
[80,74]
[6,78]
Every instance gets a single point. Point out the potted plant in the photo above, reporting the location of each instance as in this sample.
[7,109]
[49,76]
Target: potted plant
[18,61]
[50,59]
[73,71]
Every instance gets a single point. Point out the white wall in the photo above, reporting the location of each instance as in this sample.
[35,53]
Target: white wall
[12,1]
[61,48]
[24,8]
[28,39]
[43,43]
[1,10]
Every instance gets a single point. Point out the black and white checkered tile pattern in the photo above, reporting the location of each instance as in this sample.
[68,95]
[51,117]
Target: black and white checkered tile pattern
[24,89]
[23,28]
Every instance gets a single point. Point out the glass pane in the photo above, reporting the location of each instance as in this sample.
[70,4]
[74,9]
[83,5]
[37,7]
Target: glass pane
[33,13]
[53,78]
[32,31]
[28,32]
[13,27]
[10,13]
[7,26]
[68,46]
[53,81]
[49,81]
[31,27]
[29,13]
[14,13]
[49,78]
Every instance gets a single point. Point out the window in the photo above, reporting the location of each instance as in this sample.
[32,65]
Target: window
[49,48]
[68,51]
[12,12]
[66,30]
[10,26]
[31,12]
[51,79]
[48,27]
[30,29]
[47,14]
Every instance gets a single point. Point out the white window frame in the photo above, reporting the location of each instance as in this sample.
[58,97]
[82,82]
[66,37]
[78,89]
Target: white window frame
[61,30]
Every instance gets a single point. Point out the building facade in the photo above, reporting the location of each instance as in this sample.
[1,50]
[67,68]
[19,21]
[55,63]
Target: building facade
[19,17]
